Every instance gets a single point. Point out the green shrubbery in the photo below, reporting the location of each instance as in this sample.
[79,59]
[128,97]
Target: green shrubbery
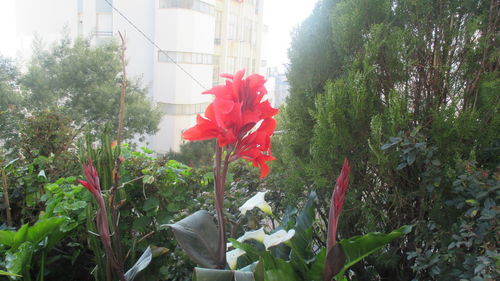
[408,91]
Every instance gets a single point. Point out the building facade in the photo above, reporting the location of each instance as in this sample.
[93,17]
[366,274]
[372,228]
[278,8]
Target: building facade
[196,38]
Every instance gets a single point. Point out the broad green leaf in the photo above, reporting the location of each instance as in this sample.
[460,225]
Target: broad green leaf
[282,271]
[274,268]
[358,247]
[20,236]
[303,226]
[198,237]
[47,228]
[316,270]
[151,204]
[17,259]
[7,237]
[140,265]
[301,242]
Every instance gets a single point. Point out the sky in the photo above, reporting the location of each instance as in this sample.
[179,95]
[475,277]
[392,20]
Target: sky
[281,16]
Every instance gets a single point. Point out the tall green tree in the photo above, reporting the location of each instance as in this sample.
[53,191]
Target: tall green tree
[84,81]
[407,90]
[10,99]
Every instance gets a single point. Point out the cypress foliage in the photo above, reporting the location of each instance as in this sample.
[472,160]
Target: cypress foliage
[408,91]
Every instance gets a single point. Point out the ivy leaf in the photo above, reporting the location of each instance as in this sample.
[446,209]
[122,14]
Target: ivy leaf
[151,204]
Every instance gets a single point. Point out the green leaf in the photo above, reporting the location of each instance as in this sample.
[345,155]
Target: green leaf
[148,179]
[386,146]
[151,204]
[197,235]
[205,274]
[141,223]
[16,260]
[303,226]
[7,237]
[5,273]
[275,269]
[173,207]
[358,247]
[281,271]
[20,236]
[411,157]
[316,270]
[46,228]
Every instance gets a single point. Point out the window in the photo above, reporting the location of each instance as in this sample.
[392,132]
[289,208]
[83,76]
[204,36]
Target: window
[182,109]
[215,77]
[247,31]
[245,63]
[195,5]
[233,27]
[185,57]
[102,6]
[230,63]
[254,33]
[79,4]
[104,24]
[218,26]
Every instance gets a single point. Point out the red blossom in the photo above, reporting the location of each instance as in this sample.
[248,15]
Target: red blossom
[239,118]
[93,185]
[337,202]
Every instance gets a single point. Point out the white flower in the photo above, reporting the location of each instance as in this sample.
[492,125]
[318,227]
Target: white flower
[232,257]
[257,201]
[257,235]
[278,237]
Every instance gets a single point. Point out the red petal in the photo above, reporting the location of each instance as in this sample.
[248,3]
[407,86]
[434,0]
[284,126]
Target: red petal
[255,81]
[204,129]
[267,110]
[264,168]
[89,187]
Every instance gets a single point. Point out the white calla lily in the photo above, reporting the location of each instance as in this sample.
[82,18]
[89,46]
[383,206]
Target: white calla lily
[257,201]
[257,235]
[278,237]
[232,257]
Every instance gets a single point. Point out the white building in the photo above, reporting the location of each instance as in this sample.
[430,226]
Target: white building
[185,30]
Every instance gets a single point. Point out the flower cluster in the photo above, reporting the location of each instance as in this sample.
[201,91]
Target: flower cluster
[93,185]
[337,202]
[240,118]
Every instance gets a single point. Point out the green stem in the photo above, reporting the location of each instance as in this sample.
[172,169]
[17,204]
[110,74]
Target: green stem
[301,262]
[42,266]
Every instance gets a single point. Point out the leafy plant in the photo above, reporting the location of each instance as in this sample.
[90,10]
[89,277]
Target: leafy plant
[302,260]
[29,241]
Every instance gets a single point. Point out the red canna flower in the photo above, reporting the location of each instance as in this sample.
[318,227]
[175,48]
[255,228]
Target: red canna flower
[239,118]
